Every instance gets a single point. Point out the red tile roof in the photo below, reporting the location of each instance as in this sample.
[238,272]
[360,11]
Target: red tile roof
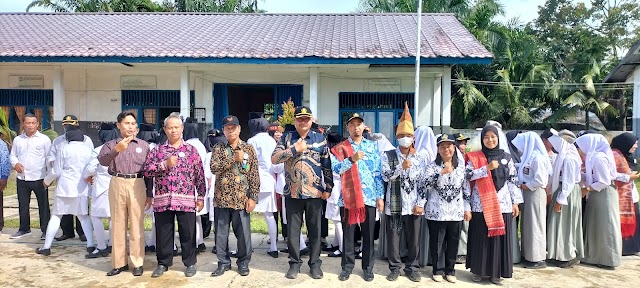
[256,36]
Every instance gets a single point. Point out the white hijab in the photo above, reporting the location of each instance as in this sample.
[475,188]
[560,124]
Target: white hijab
[383,143]
[565,150]
[531,146]
[425,142]
[592,144]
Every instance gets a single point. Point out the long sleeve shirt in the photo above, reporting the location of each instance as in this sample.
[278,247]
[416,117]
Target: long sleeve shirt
[304,171]
[627,178]
[31,153]
[446,193]
[59,143]
[235,182]
[67,169]
[175,187]
[535,174]
[508,195]
[100,174]
[569,177]
[601,177]
[264,146]
[129,161]
[409,190]
[5,163]
[369,171]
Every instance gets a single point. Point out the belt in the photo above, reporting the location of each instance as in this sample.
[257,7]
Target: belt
[126,176]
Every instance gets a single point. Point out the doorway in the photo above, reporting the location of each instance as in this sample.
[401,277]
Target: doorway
[250,99]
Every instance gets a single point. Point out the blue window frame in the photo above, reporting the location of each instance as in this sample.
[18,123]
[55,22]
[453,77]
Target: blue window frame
[152,106]
[380,111]
[35,101]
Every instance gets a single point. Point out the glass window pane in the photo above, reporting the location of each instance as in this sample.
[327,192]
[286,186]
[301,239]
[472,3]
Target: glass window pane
[386,121]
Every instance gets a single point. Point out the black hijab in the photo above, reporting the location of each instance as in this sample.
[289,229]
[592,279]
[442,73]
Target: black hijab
[624,142]
[512,148]
[147,133]
[334,138]
[74,135]
[190,131]
[258,125]
[499,175]
[214,136]
[107,132]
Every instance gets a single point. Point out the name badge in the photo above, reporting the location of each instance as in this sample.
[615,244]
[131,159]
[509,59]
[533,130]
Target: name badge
[181,154]
[504,161]
[138,150]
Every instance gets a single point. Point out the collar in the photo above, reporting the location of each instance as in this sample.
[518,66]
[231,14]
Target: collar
[240,143]
[135,139]
[182,144]
[364,140]
[24,134]
[412,153]
[297,135]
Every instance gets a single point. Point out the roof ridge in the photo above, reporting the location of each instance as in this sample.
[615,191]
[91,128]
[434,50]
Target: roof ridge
[214,13]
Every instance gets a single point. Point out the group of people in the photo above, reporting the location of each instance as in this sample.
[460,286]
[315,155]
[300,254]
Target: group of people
[571,197]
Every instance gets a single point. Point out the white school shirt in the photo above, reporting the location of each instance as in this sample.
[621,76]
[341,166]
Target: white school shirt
[101,177]
[535,173]
[67,169]
[57,145]
[31,153]
[569,177]
[264,146]
[601,176]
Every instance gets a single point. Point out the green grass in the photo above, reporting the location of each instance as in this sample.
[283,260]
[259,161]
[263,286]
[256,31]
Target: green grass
[11,185]
[258,224]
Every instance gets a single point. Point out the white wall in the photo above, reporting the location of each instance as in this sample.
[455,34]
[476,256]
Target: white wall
[93,92]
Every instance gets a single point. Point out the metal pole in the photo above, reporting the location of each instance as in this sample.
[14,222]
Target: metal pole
[416,95]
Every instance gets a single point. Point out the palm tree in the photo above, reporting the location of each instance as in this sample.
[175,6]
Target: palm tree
[96,5]
[222,6]
[6,134]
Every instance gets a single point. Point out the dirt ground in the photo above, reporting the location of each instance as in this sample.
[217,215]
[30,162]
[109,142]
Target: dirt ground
[67,267]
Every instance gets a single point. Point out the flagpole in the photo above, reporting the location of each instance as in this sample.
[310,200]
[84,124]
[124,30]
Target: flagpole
[416,95]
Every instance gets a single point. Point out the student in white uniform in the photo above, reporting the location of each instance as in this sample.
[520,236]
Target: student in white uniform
[533,177]
[69,123]
[264,146]
[148,134]
[333,210]
[190,135]
[72,191]
[99,178]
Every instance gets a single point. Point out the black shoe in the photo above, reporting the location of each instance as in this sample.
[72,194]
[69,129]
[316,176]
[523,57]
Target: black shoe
[305,252]
[83,238]
[233,254]
[367,276]
[293,272]
[45,252]
[334,254]
[43,236]
[176,253]
[201,248]
[137,271]
[414,276]
[116,271]
[91,249]
[568,264]
[344,275]
[285,250]
[316,273]
[606,267]
[150,249]
[97,254]
[191,271]
[220,271]
[109,248]
[64,237]
[213,250]
[330,249]
[496,281]
[273,254]
[536,265]
[461,259]
[359,255]
[159,271]
[243,271]
[393,276]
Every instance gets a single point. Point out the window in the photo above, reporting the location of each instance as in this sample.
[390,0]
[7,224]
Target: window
[380,111]
[153,105]
[15,103]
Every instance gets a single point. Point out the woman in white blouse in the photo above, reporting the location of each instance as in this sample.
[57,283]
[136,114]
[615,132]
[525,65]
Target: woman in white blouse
[447,187]
[602,234]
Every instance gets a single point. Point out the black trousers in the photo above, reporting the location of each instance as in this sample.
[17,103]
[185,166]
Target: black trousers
[24,189]
[411,231]
[324,222]
[240,220]
[66,224]
[206,225]
[367,229]
[312,209]
[444,237]
[165,231]
[1,212]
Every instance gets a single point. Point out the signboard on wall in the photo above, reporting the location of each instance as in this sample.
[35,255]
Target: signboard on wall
[129,82]
[26,81]
[383,85]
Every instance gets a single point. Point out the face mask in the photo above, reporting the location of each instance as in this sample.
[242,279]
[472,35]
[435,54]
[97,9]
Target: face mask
[405,142]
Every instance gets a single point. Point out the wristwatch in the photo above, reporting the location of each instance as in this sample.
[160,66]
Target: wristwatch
[351,159]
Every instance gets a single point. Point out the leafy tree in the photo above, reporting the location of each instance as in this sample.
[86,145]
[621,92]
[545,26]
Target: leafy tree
[288,110]
[223,6]
[6,134]
[96,5]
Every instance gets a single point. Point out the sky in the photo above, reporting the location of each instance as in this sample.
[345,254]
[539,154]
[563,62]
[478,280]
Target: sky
[526,10]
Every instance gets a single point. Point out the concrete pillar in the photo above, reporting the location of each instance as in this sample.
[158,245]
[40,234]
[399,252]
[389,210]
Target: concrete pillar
[437,105]
[446,98]
[58,94]
[184,92]
[422,111]
[635,118]
[313,90]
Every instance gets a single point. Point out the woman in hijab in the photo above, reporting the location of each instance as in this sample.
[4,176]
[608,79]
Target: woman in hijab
[603,238]
[190,136]
[99,176]
[533,177]
[491,208]
[624,146]
[512,149]
[332,211]
[425,143]
[72,191]
[565,242]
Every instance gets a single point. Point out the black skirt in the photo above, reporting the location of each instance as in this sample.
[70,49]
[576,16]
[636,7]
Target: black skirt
[489,257]
[632,245]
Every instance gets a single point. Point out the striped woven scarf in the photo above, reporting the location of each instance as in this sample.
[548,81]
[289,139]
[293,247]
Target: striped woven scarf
[488,196]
